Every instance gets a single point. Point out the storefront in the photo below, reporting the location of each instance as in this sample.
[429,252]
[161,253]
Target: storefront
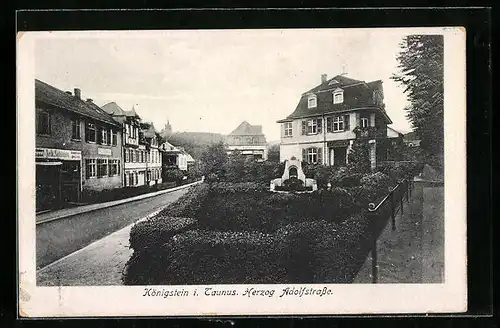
[58,177]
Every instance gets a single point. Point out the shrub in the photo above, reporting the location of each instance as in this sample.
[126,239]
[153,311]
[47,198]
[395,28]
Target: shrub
[173,175]
[189,204]
[373,188]
[303,252]
[342,177]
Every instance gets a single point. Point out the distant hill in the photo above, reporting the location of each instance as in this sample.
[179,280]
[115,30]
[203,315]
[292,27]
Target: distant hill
[195,142]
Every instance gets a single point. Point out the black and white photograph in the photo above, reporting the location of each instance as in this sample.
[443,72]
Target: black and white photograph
[178,172]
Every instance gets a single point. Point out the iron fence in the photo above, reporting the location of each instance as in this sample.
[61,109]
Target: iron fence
[386,210]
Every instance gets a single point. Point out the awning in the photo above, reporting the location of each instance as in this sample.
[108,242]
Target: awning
[49,163]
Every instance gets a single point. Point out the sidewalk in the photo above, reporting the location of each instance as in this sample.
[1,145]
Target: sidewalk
[59,214]
[414,252]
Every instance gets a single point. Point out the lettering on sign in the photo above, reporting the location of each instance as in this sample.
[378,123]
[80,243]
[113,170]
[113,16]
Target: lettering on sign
[54,153]
[104,151]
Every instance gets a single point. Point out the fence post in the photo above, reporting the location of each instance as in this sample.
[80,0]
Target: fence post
[393,212]
[372,217]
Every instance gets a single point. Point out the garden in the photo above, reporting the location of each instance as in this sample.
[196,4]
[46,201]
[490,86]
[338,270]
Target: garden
[240,232]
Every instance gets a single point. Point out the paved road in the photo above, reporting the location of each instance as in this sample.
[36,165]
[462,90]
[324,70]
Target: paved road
[59,238]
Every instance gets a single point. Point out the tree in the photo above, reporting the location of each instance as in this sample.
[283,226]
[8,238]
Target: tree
[213,161]
[421,74]
[273,154]
[359,160]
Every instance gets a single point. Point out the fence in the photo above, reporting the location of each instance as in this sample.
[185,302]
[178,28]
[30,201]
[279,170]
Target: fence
[386,210]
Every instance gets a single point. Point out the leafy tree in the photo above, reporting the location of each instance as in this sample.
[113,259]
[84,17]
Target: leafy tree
[359,160]
[421,74]
[213,161]
[273,153]
[235,166]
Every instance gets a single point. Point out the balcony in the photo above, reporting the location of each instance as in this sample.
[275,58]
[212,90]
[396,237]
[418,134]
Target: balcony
[370,132]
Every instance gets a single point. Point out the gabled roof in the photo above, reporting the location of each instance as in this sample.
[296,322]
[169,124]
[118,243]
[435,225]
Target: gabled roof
[112,108]
[169,148]
[357,94]
[411,136]
[53,96]
[246,129]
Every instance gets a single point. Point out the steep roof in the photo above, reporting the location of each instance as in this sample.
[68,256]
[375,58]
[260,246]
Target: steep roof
[357,94]
[246,129]
[53,96]
[411,136]
[112,108]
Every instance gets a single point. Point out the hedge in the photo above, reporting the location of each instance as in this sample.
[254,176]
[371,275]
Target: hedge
[305,252]
[106,195]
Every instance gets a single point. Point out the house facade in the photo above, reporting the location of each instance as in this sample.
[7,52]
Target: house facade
[153,156]
[78,147]
[329,117]
[249,140]
[134,151]
[175,157]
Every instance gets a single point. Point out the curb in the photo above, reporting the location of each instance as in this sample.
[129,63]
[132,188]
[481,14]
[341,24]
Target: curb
[121,201]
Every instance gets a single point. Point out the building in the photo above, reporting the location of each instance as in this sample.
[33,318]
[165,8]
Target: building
[175,157]
[329,117]
[78,147]
[134,152]
[249,140]
[411,139]
[153,156]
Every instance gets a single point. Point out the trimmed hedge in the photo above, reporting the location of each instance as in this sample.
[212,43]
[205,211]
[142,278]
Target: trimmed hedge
[305,252]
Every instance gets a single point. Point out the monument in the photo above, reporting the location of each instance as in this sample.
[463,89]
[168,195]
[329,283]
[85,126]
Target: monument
[293,179]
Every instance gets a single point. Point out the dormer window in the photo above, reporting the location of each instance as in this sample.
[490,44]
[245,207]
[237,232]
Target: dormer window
[312,101]
[332,82]
[338,96]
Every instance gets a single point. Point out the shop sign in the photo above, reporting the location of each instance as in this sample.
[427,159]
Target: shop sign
[52,153]
[104,151]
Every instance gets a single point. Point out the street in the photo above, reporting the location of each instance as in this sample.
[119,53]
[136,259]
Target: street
[56,239]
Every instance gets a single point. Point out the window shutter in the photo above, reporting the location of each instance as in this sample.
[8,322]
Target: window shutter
[329,124]
[346,122]
[319,123]
[304,155]
[304,127]
[320,155]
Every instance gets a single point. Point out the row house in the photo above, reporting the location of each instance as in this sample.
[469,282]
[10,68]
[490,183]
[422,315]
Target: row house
[249,140]
[78,147]
[330,116]
[141,158]
[149,137]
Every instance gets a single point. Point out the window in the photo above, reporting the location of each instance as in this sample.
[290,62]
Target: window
[311,101]
[90,132]
[133,157]
[42,122]
[312,127]
[114,167]
[142,156]
[126,182]
[114,137]
[90,168]
[364,122]
[104,136]
[75,129]
[312,155]
[338,97]
[338,123]
[102,168]
[288,129]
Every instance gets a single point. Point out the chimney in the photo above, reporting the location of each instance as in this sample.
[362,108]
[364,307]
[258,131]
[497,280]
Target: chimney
[78,93]
[323,78]
[89,100]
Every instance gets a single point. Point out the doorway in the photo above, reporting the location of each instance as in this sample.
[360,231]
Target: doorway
[338,156]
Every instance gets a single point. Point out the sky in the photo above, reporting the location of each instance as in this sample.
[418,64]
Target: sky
[212,80]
